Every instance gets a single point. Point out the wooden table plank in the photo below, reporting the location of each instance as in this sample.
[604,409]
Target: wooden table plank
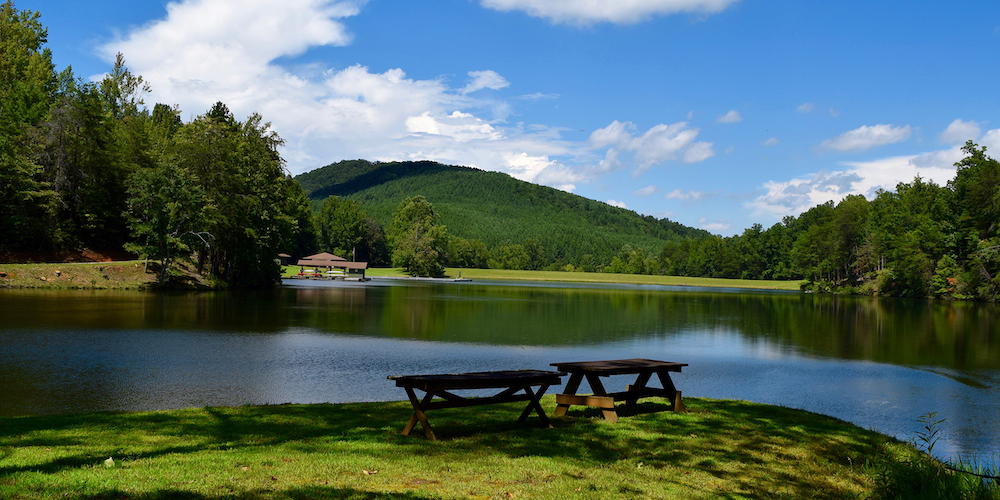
[593,370]
[439,385]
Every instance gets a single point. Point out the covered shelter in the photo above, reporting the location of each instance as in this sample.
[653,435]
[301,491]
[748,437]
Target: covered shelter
[329,261]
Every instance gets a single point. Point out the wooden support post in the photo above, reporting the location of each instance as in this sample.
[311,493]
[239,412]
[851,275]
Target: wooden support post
[418,414]
[571,386]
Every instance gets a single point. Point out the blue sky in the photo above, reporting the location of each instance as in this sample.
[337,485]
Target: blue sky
[715,113]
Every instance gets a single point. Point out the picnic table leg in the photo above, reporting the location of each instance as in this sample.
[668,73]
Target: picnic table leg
[672,393]
[418,414]
[637,388]
[595,384]
[571,386]
[534,405]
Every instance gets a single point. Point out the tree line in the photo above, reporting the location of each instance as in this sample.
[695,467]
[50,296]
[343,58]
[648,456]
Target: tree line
[89,165]
[920,240]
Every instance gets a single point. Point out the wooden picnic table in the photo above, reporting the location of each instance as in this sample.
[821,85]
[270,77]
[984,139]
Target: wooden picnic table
[644,369]
[512,383]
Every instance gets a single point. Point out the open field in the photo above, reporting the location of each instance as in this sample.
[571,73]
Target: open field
[642,279]
[720,449]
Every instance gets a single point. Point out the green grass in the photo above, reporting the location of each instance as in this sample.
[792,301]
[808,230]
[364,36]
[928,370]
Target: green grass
[720,449]
[579,277]
[116,275]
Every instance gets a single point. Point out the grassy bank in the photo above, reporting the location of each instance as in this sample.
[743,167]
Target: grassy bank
[578,277]
[118,275]
[121,275]
[720,449]
[130,275]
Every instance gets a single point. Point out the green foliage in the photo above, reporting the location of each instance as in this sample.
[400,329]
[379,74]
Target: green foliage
[419,243]
[497,210]
[341,225]
[27,88]
[167,213]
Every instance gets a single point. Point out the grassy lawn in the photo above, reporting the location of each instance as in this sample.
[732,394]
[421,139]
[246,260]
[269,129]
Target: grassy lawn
[720,449]
[505,274]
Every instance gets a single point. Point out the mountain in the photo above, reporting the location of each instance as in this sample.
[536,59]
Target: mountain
[496,208]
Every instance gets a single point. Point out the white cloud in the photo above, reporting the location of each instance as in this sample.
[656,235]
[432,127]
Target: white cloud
[865,178]
[458,125]
[619,204]
[773,141]
[488,79]
[958,132]
[991,140]
[732,116]
[834,112]
[205,51]
[659,144]
[613,11]
[867,137]
[646,191]
[806,107]
[718,225]
[690,196]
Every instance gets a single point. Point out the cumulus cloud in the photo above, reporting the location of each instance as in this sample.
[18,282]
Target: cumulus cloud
[991,140]
[488,79]
[619,204]
[781,198]
[732,116]
[205,51]
[806,107]
[867,137]
[612,11]
[958,132]
[657,145]
[773,141]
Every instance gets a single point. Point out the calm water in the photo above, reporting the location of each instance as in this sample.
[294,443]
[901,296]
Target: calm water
[875,362]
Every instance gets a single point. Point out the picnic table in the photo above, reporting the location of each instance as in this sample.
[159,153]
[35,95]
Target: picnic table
[644,369]
[516,385]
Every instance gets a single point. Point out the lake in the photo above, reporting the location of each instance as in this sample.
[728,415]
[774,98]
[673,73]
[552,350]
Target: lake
[879,363]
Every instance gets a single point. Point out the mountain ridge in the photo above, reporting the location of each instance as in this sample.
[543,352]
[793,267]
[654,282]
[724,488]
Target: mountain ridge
[495,208]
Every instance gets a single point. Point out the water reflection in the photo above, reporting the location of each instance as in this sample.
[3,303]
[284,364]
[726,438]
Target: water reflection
[876,362]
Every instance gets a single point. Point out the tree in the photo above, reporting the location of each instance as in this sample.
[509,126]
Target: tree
[167,213]
[419,243]
[27,87]
[243,176]
[341,224]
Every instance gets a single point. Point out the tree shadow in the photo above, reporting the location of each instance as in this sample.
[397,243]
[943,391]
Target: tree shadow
[712,438]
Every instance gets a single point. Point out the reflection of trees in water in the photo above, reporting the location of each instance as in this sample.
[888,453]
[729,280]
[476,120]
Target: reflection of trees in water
[959,335]
[901,331]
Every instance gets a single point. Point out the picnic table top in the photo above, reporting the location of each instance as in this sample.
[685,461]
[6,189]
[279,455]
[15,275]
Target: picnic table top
[479,380]
[619,366]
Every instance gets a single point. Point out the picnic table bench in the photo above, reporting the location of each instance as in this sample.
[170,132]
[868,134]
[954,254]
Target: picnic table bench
[516,385]
[594,370]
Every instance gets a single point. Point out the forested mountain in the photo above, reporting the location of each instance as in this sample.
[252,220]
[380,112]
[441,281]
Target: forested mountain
[499,210]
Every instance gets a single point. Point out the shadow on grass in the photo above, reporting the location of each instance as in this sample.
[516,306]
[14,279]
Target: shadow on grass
[306,493]
[758,449]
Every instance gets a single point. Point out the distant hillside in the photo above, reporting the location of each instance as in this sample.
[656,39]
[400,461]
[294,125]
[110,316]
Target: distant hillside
[496,208]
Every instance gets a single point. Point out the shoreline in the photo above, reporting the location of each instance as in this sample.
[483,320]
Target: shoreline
[129,275]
